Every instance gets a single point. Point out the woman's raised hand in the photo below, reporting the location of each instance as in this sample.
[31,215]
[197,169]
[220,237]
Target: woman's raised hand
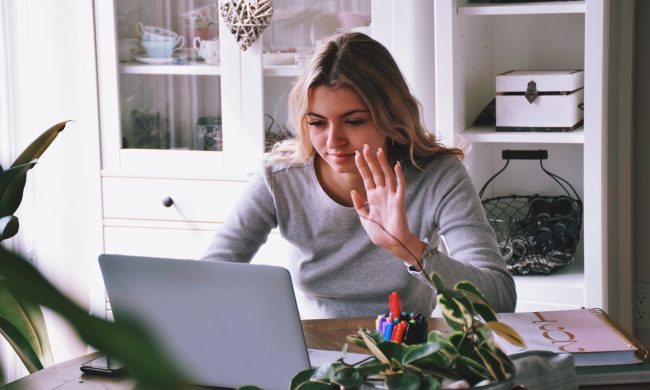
[383,215]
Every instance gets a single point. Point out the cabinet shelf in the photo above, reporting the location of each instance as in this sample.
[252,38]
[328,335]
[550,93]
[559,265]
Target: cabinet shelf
[566,286]
[538,8]
[282,70]
[190,69]
[489,134]
[203,69]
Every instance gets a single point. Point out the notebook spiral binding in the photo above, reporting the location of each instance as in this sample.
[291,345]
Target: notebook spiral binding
[641,351]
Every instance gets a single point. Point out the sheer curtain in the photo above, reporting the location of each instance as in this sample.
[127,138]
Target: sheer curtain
[47,75]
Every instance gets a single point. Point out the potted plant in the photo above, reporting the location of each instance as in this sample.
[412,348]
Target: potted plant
[466,357]
[23,290]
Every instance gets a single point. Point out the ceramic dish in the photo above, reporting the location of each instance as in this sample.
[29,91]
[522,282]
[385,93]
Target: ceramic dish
[155,61]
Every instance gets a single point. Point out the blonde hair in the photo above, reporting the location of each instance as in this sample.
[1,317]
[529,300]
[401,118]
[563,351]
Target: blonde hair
[356,61]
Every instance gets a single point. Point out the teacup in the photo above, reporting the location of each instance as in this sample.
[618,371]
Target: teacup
[163,49]
[128,48]
[207,49]
[154,33]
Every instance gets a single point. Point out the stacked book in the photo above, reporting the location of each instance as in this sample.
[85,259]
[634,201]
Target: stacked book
[603,352]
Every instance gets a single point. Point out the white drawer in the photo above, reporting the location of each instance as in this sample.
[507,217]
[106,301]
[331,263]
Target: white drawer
[193,200]
[182,244]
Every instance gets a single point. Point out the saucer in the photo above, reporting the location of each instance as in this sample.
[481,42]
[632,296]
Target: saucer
[156,61]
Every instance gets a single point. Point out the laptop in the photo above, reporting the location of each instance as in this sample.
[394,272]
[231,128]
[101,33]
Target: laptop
[223,324]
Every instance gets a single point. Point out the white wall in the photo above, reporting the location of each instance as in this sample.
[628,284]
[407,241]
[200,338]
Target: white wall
[52,78]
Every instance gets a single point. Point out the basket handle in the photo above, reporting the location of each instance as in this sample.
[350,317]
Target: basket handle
[540,155]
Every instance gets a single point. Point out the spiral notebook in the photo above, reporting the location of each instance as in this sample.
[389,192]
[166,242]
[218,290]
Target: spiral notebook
[590,335]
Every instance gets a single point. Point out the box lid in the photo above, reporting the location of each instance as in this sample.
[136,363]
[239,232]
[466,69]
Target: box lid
[546,80]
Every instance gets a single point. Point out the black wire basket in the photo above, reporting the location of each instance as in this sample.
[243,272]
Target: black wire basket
[536,234]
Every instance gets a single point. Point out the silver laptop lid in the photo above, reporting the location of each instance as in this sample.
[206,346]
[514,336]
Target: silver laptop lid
[225,324]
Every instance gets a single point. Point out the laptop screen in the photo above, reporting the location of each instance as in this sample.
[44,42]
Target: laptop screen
[224,324]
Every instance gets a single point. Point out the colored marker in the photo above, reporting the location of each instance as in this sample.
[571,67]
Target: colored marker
[401,328]
[388,331]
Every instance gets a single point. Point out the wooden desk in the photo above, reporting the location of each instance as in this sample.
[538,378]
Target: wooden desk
[319,334]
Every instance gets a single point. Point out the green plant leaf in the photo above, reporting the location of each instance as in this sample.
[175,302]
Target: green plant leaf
[403,381]
[472,292]
[28,320]
[8,226]
[437,281]
[357,340]
[21,345]
[39,145]
[419,351]
[348,377]
[493,364]
[301,377]
[467,309]
[505,331]
[430,383]
[392,350]
[485,311]
[249,388]
[12,184]
[437,337]
[507,362]
[126,341]
[315,386]
[372,368]
[372,347]
[451,311]
[471,370]
[323,372]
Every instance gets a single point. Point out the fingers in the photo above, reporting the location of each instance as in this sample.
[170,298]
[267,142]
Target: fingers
[362,166]
[389,177]
[374,169]
[373,164]
[401,181]
[359,204]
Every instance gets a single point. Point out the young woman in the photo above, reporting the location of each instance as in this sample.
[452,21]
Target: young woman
[364,195]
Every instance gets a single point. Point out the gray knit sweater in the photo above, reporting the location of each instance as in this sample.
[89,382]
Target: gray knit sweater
[337,270]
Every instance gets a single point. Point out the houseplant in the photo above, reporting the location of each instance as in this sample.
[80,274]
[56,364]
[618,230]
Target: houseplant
[23,290]
[21,322]
[468,354]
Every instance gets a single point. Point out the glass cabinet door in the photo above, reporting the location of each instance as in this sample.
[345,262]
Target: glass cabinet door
[179,97]
[168,85]
[162,105]
[288,43]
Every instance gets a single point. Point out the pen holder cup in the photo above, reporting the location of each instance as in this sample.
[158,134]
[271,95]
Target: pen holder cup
[536,234]
[414,328]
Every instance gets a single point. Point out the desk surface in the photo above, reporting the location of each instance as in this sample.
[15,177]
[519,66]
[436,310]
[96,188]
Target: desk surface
[319,334]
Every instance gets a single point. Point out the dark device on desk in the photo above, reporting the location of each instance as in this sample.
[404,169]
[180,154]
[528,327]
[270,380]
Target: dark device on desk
[104,365]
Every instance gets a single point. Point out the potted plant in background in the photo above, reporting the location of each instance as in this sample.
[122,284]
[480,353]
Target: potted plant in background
[466,357]
[23,290]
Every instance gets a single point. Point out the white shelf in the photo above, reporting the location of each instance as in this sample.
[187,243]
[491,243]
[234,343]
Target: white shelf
[199,69]
[489,134]
[538,8]
[566,286]
[282,70]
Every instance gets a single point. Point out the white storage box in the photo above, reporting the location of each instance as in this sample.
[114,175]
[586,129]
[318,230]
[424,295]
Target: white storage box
[548,100]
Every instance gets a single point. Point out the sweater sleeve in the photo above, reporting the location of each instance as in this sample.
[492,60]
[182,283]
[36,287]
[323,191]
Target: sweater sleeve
[471,251]
[247,227]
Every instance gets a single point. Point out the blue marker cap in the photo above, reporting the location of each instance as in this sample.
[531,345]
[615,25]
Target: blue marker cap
[388,331]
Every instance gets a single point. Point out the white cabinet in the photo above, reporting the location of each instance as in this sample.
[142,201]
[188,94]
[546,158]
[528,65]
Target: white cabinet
[476,41]
[180,136]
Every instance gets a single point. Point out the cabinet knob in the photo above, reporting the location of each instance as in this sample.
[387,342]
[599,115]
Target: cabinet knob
[168,201]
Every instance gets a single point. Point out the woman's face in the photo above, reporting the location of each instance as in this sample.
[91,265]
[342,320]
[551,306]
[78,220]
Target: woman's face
[339,124]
